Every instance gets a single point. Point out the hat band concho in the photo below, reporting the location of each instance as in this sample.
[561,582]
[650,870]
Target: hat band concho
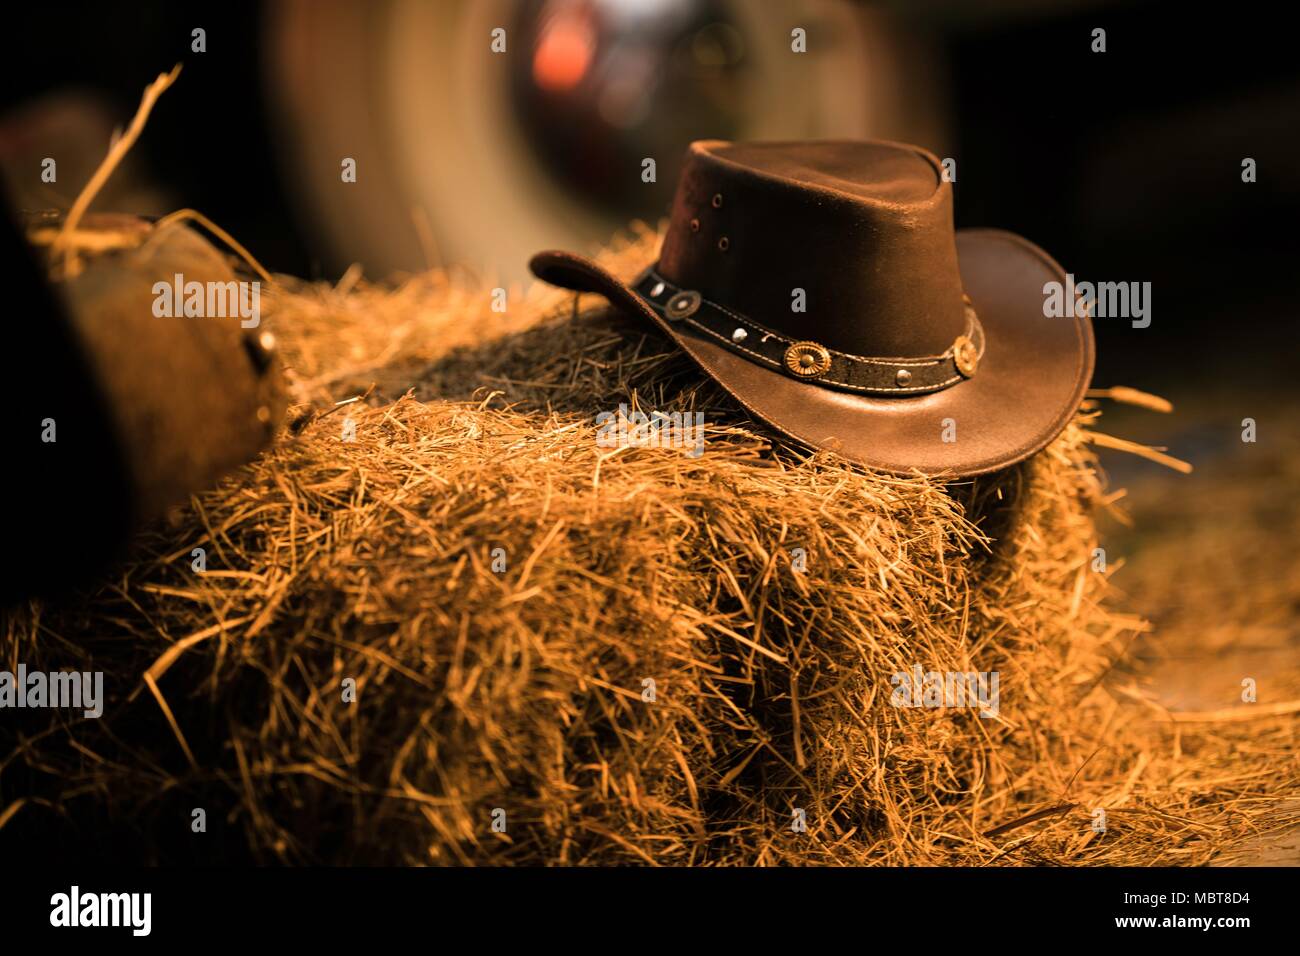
[812,361]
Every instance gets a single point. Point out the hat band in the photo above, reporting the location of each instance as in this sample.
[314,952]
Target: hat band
[811,361]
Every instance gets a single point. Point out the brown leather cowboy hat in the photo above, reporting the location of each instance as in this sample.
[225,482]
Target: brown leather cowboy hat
[822,284]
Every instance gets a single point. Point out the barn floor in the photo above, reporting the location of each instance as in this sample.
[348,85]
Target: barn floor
[1210,561]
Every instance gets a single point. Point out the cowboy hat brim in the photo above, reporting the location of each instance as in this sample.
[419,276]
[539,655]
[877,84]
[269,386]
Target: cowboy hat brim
[1031,377]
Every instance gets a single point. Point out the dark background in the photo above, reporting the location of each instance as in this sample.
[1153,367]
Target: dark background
[1126,166]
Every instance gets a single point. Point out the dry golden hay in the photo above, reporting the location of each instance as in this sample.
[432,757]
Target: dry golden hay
[521,696]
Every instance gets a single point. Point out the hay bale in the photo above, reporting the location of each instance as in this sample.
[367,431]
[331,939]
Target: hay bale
[524,689]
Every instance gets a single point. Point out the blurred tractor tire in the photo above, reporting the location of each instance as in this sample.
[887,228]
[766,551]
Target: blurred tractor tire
[445,171]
